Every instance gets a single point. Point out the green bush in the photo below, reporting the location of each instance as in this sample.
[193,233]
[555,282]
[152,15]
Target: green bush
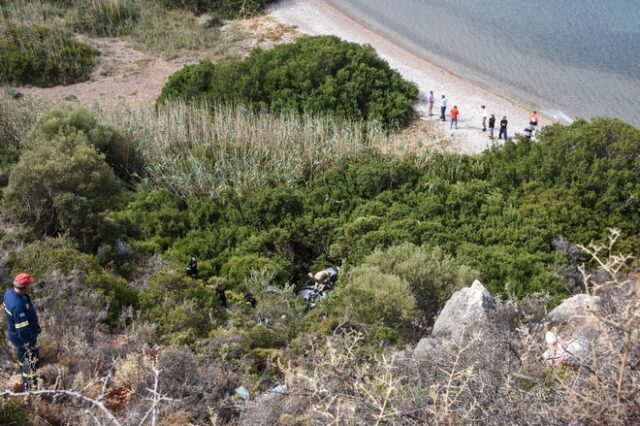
[105,17]
[42,56]
[9,156]
[498,212]
[13,413]
[121,154]
[63,187]
[369,296]
[227,9]
[183,309]
[432,275]
[238,268]
[42,258]
[314,74]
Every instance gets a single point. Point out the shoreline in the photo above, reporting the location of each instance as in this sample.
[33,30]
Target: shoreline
[324,17]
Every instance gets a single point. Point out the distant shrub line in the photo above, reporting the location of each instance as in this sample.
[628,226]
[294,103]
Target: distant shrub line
[42,56]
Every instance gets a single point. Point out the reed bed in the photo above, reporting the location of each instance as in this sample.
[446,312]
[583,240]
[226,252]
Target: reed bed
[197,149]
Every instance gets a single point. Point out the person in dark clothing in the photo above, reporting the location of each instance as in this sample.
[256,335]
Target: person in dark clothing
[23,329]
[192,268]
[492,125]
[250,299]
[221,295]
[528,131]
[503,128]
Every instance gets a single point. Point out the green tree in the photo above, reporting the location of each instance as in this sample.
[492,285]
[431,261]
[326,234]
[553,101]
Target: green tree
[121,154]
[432,274]
[63,187]
[372,297]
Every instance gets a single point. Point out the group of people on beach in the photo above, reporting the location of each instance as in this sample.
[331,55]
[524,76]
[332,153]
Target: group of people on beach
[488,121]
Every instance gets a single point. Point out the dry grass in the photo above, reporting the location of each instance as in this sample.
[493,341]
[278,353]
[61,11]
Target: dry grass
[202,150]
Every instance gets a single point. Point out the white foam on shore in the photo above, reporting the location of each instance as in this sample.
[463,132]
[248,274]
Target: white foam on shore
[320,17]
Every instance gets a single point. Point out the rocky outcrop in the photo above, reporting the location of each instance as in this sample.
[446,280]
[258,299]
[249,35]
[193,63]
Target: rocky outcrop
[573,330]
[467,308]
[466,311]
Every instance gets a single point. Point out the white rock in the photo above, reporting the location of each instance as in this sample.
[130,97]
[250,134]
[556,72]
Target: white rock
[467,307]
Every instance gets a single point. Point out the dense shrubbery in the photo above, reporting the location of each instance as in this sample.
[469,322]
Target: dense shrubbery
[498,212]
[123,156]
[403,229]
[314,74]
[182,309]
[63,186]
[42,56]
[227,9]
[105,17]
[42,258]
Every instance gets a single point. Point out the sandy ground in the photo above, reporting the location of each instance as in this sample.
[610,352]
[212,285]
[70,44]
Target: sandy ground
[124,76]
[132,78]
[318,17]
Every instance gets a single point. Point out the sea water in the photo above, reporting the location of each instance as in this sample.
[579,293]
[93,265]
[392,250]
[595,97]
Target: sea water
[567,58]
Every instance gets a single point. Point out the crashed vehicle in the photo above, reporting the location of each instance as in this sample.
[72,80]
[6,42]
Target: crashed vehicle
[319,285]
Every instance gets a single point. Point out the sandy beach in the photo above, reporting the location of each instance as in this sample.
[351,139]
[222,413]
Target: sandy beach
[322,17]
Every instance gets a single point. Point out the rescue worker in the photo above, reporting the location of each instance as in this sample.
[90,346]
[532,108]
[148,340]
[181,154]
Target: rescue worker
[192,268]
[221,294]
[321,279]
[250,299]
[23,328]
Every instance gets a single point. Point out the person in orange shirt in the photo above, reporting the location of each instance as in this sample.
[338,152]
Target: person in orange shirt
[454,116]
[533,121]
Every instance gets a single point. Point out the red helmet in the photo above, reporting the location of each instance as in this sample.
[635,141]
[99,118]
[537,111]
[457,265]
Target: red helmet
[22,280]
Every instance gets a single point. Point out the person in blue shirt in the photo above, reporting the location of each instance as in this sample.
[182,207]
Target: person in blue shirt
[23,328]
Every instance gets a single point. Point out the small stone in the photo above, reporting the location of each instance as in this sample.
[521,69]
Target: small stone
[209,21]
[15,93]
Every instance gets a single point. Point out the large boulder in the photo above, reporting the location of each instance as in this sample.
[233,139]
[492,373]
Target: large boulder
[466,309]
[573,330]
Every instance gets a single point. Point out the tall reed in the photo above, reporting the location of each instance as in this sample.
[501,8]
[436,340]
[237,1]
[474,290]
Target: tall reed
[197,149]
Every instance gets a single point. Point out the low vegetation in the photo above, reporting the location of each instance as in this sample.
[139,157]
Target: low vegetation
[227,9]
[42,56]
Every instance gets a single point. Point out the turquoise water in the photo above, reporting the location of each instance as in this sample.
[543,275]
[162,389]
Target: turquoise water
[564,57]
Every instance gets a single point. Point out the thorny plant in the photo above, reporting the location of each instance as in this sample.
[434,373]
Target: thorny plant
[97,407]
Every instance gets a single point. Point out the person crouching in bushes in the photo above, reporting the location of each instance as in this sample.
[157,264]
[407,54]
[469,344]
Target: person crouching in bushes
[192,268]
[250,299]
[221,294]
[23,329]
[321,281]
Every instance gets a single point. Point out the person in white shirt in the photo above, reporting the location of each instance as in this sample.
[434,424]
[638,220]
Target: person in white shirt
[485,116]
[431,100]
[443,108]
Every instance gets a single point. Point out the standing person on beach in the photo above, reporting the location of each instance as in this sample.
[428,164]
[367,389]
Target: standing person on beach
[484,118]
[533,121]
[430,101]
[443,108]
[492,125]
[503,128]
[454,117]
